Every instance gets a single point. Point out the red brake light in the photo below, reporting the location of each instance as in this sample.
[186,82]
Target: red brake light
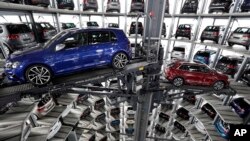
[13,36]
[246,36]
[216,33]
[40,109]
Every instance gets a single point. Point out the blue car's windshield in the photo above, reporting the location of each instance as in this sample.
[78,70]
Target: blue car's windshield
[54,38]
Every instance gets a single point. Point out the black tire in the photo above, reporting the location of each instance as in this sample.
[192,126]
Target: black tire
[247,47]
[119,60]
[189,38]
[176,37]
[38,75]
[218,85]
[178,81]
[216,41]
[202,40]
[230,44]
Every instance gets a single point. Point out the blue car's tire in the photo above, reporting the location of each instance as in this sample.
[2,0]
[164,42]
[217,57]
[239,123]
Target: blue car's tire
[38,75]
[120,60]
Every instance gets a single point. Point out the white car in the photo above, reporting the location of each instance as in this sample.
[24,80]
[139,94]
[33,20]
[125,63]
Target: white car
[56,127]
[44,106]
[200,127]
[178,52]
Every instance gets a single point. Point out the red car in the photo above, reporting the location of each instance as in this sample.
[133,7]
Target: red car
[180,73]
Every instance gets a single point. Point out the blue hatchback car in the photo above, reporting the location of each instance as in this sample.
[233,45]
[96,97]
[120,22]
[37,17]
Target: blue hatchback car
[67,52]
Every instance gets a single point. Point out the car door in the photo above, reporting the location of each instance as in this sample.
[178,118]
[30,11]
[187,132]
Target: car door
[93,52]
[193,77]
[208,77]
[67,59]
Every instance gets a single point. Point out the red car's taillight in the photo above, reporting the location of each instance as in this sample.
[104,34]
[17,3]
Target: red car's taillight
[246,36]
[41,109]
[13,36]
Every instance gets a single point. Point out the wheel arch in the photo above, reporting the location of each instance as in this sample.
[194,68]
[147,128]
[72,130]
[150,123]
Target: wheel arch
[33,64]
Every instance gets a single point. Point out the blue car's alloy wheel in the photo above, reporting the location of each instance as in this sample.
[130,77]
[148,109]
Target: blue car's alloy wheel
[120,60]
[38,75]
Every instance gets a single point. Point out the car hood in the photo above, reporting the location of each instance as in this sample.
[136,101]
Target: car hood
[27,51]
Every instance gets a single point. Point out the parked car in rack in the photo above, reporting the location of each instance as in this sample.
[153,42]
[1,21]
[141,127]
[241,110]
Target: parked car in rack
[66,52]
[160,128]
[222,128]
[137,6]
[17,35]
[190,6]
[189,97]
[179,126]
[213,33]
[90,5]
[164,116]
[200,127]
[86,113]
[178,52]
[99,104]
[115,112]
[220,6]
[113,25]
[183,30]
[245,7]
[43,3]
[204,56]
[240,36]
[229,64]
[65,4]
[45,31]
[113,5]
[183,113]
[132,29]
[163,32]
[129,131]
[181,72]
[167,7]
[240,106]
[92,24]
[68,25]
[44,106]
[209,110]
[115,123]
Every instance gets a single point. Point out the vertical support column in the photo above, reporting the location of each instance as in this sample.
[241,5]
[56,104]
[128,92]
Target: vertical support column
[226,100]
[196,31]
[103,23]
[126,16]
[80,15]
[143,108]
[242,68]
[32,20]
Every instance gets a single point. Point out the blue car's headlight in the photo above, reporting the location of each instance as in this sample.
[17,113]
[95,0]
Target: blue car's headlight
[12,65]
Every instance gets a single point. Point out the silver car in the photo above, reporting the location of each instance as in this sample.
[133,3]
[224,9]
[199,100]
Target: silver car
[17,36]
[90,4]
[137,6]
[240,36]
[113,5]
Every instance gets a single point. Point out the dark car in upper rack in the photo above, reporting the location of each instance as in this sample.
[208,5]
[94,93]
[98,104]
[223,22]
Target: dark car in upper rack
[181,72]
[189,97]
[12,1]
[68,52]
[113,5]
[183,113]
[229,64]
[68,25]
[167,7]
[220,6]
[209,110]
[45,31]
[17,35]
[65,4]
[213,33]
[245,7]
[240,106]
[90,5]
[132,29]
[183,30]
[190,6]
[43,3]
[240,36]
[137,6]
[179,126]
